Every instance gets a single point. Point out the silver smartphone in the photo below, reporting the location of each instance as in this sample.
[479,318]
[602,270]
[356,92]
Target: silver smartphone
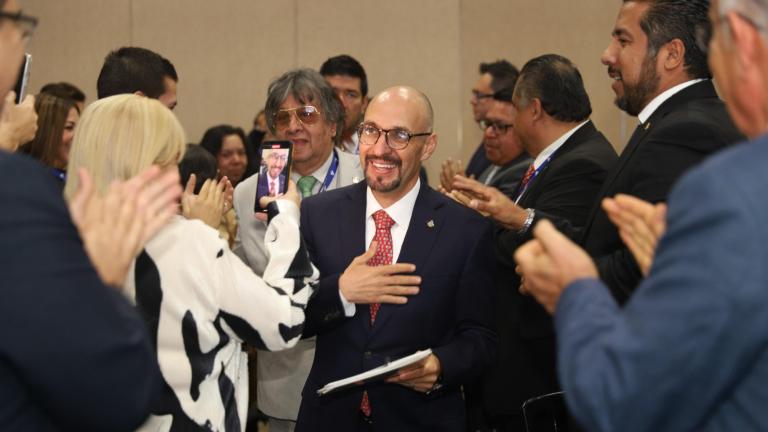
[21,83]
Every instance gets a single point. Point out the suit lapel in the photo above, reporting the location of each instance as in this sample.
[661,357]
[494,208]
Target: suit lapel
[423,230]
[577,137]
[701,90]
[351,235]
[351,232]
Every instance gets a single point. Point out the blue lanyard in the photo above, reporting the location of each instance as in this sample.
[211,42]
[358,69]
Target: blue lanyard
[59,174]
[533,176]
[331,172]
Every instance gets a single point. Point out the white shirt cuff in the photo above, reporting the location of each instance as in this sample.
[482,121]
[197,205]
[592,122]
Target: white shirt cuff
[349,308]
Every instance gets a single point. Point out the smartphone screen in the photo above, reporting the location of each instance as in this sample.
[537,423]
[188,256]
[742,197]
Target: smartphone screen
[21,82]
[274,171]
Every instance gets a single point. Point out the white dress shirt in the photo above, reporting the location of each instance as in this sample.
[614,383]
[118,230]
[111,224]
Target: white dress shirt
[400,212]
[653,105]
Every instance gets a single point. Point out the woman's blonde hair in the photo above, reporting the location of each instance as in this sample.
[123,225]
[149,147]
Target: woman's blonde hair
[120,136]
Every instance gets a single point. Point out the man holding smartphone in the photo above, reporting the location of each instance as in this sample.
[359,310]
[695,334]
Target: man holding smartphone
[301,108]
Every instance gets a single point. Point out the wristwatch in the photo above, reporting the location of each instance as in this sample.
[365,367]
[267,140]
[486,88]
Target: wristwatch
[529,215]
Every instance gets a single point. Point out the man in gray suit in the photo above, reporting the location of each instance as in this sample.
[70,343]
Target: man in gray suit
[689,351]
[302,108]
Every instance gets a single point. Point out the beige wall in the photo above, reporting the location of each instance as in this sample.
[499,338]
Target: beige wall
[227,52]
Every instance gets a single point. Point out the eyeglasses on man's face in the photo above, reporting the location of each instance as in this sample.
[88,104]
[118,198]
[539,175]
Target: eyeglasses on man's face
[306,115]
[396,138]
[25,23]
[480,95]
[498,128]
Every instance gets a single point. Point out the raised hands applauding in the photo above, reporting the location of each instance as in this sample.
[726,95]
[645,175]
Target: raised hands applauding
[115,227]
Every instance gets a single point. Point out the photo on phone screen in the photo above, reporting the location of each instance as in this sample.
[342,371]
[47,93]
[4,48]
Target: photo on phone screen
[21,82]
[274,171]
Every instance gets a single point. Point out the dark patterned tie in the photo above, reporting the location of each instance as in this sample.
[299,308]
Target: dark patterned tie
[524,181]
[383,256]
[527,177]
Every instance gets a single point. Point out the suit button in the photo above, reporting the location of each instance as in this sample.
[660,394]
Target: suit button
[367,355]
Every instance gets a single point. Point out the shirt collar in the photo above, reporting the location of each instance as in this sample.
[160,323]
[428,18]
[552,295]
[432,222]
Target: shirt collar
[319,174]
[652,106]
[400,211]
[552,148]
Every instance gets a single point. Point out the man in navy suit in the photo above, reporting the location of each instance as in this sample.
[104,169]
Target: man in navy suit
[369,310]
[272,180]
[689,351]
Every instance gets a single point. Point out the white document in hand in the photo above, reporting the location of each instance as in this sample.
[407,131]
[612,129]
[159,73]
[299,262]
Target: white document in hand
[380,372]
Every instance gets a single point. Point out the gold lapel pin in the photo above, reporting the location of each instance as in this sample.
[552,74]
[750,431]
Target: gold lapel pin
[430,223]
[647,125]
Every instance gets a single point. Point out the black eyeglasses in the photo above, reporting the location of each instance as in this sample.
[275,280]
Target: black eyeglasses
[480,95]
[498,128]
[26,23]
[396,138]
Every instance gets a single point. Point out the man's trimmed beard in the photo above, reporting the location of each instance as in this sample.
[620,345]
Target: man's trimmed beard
[377,183]
[636,96]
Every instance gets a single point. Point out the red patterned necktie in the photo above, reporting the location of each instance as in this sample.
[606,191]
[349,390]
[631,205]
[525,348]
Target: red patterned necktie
[383,256]
[527,176]
[524,181]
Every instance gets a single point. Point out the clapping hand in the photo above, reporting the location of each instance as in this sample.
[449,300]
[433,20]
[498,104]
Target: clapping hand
[448,170]
[209,204]
[550,262]
[640,225]
[491,201]
[115,227]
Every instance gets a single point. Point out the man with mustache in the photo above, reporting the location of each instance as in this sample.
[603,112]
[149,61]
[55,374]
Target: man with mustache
[302,108]
[661,76]
[425,282]
[550,116]
[689,352]
[497,79]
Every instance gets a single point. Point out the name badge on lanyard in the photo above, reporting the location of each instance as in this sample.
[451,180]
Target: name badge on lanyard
[331,172]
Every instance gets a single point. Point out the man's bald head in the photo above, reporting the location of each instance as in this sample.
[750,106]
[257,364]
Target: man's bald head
[410,95]
[395,138]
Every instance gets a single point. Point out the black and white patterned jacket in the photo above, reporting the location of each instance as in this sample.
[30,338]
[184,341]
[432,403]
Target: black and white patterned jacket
[201,303]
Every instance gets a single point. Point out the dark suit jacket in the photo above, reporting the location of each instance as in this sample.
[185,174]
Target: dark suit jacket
[75,355]
[262,187]
[683,131]
[452,249]
[477,163]
[507,179]
[563,191]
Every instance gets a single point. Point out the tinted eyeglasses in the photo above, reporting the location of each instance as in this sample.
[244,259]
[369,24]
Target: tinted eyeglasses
[306,115]
[396,138]
[498,128]
[25,23]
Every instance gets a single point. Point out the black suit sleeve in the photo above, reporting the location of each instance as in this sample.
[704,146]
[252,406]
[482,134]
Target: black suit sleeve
[661,159]
[75,346]
[565,200]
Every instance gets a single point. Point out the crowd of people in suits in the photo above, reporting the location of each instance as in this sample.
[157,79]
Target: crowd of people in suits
[627,287]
